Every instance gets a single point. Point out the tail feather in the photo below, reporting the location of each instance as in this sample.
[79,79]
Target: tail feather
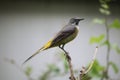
[46,46]
[38,51]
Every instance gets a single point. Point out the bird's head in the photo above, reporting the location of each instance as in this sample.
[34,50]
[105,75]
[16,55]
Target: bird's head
[75,21]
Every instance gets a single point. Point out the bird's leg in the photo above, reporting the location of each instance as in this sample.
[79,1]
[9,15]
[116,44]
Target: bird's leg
[68,58]
[62,47]
[66,53]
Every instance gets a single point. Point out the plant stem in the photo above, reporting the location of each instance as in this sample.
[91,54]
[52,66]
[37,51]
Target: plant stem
[84,71]
[108,48]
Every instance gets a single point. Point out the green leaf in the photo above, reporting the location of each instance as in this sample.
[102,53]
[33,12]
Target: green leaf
[96,70]
[53,68]
[66,67]
[98,39]
[105,6]
[28,71]
[106,42]
[65,64]
[115,24]
[45,75]
[104,11]
[99,21]
[116,48]
[115,68]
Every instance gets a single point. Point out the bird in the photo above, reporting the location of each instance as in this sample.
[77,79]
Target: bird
[65,35]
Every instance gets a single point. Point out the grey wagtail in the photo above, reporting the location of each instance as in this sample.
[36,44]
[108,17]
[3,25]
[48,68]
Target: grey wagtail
[65,35]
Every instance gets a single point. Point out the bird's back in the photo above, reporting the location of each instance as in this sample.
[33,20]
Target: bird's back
[67,33]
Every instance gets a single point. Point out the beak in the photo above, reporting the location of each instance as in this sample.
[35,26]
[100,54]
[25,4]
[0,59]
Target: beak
[79,19]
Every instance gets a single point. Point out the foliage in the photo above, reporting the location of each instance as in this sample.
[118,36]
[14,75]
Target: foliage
[103,39]
[52,70]
[116,48]
[104,9]
[28,71]
[96,70]
[115,24]
[65,64]
[97,40]
[55,71]
[114,66]
[98,21]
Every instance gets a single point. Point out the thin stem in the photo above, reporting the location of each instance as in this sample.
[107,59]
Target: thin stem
[93,60]
[105,73]
[84,71]
[108,47]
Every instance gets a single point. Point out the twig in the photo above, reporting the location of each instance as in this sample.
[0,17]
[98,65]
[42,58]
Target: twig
[70,65]
[84,70]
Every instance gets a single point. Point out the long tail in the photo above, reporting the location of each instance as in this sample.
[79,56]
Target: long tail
[46,46]
[38,51]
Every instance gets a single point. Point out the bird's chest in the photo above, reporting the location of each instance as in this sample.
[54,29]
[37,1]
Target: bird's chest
[72,36]
[75,33]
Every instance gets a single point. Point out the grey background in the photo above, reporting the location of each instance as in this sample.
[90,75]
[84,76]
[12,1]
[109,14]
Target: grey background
[26,25]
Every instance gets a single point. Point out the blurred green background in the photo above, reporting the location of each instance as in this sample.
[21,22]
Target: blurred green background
[25,25]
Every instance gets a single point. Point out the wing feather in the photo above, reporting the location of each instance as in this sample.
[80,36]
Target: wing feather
[64,33]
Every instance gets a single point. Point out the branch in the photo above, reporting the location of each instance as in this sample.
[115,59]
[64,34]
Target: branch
[70,65]
[84,71]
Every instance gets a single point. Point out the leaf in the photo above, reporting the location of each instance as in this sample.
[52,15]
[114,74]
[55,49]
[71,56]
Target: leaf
[116,48]
[53,68]
[99,21]
[115,24]
[106,42]
[28,71]
[45,75]
[115,68]
[104,11]
[96,69]
[66,67]
[97,39]
[105,6]
[65,64]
